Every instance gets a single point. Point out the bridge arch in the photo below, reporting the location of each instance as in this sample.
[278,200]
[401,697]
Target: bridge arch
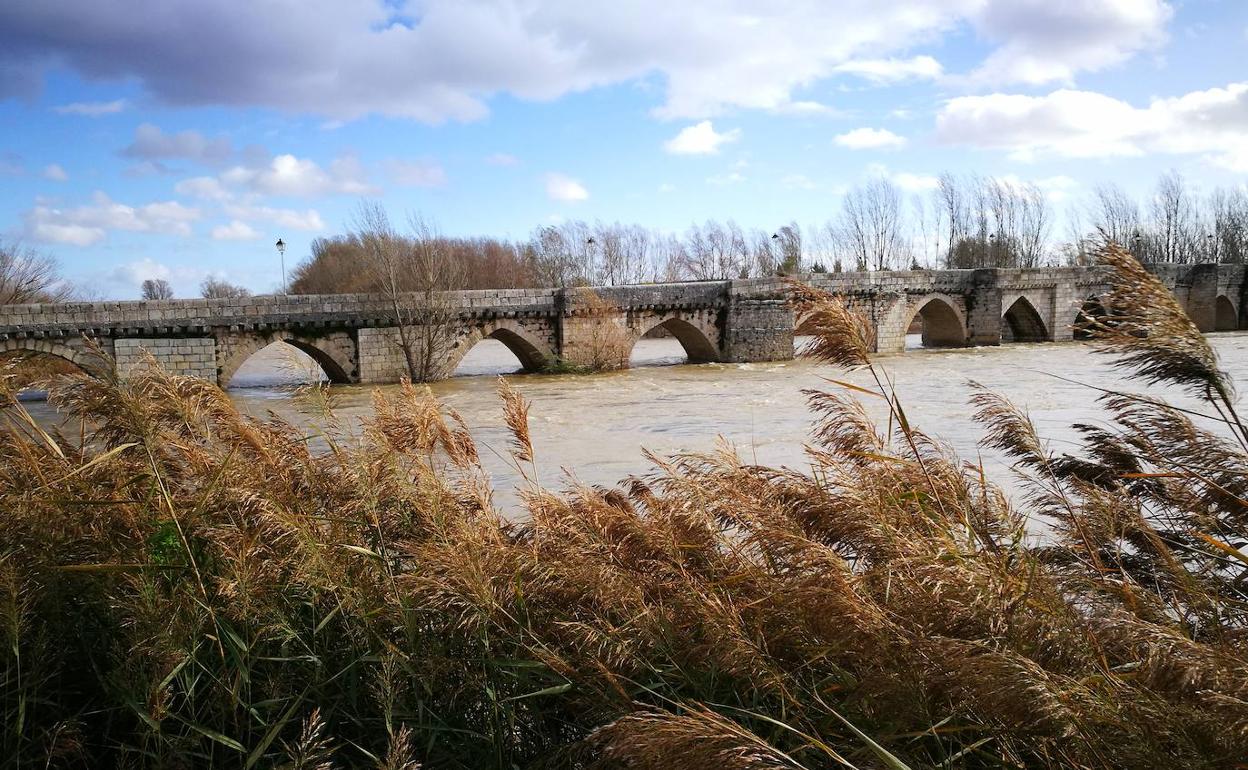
[533,353]
[1092,310]
[943,323]
[79,358]
[1226,315]
[696,342]
[1023,323]
[337,364]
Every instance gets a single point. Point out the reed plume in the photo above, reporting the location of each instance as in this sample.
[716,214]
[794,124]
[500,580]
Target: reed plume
[184,585]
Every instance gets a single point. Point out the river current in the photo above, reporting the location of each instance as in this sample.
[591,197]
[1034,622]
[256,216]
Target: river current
[596,426]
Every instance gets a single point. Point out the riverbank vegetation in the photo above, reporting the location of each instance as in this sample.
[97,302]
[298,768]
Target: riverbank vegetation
[895,222]
[185,586]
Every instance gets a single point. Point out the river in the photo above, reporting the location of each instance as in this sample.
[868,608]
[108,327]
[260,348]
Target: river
[596,426]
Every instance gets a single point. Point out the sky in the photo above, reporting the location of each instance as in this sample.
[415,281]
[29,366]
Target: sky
[177,139]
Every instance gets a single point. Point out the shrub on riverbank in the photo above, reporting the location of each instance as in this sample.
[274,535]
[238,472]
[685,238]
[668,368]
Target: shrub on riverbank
[200,588]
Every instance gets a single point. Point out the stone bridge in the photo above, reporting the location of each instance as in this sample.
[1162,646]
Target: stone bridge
[354,337]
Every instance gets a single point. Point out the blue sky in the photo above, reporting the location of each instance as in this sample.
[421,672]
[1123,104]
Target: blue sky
[177,139]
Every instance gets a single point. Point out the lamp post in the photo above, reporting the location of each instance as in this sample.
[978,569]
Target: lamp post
[589,246]
[281,252]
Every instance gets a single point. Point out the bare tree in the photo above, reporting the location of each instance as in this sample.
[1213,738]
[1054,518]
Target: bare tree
[28,276]
[1115,214]
[434,274]
[156,288]
[557,259]
[387,257]
[715,252]
[621,253]
[955,212]
[788,241]
[216,288]
[670,259]
[1018,220]
[1175,226]
[1076,250]
[927,226]
[870,226]
[1229,210]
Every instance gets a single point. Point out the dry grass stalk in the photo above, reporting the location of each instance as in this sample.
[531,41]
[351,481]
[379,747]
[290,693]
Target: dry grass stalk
[226,595]
[516,415]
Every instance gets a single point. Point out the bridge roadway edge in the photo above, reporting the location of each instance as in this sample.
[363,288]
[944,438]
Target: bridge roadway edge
[741,320]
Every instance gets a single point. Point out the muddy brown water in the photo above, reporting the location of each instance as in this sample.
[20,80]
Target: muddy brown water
[596,426]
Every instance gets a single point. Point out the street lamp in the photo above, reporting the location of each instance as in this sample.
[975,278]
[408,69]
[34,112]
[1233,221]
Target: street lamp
[281,252]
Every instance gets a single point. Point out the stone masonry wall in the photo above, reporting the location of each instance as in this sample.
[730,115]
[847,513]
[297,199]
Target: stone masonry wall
[199,315]
[725,320]
[381,356]
[759,330]
[188,356]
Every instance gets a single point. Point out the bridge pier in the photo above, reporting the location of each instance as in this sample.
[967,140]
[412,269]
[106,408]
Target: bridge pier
[758,330]
[381,355]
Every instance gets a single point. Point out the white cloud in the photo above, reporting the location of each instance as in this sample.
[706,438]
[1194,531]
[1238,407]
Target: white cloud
[54,172]
[1043,41]
[125,279]
[302,177]
[410,173]
[92,109]
[307,220]
[667,187]
[502,159]
[1057,188]
[89,224]
[871,139]
[892,70]
[135,273]
[803,108]
[700,139]
[246,205]
[204,187]
[906,181]
[1083,124]
[707,56]
[151,143]
[564,188]
[235,231]
[914,183]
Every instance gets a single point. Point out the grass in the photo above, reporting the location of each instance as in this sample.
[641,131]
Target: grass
[185,586]
[563,366]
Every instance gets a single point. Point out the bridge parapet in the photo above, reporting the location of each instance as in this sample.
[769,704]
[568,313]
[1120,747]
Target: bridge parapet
[284,311]
[354,336]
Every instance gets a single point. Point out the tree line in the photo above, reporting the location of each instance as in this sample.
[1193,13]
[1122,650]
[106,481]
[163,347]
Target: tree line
[575,253]
[962,222]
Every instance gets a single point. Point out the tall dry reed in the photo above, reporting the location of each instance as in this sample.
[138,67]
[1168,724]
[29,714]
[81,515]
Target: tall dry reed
[185,586]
